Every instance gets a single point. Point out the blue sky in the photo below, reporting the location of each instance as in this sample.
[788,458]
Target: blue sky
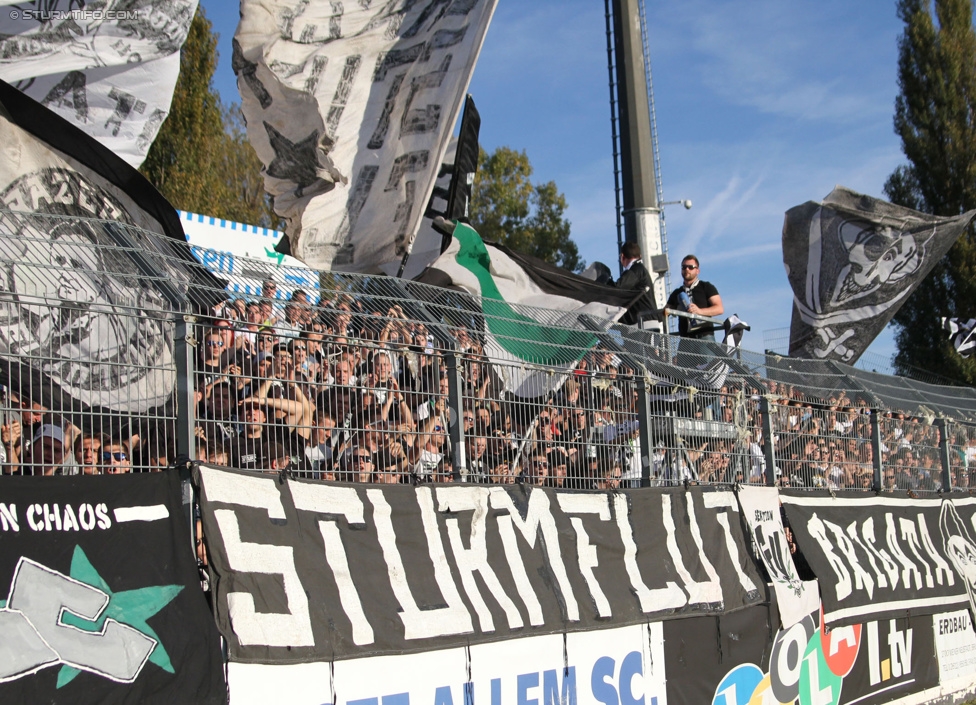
[761,106]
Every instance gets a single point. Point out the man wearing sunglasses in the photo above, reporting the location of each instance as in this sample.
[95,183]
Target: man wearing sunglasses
[698,297]
[115,457]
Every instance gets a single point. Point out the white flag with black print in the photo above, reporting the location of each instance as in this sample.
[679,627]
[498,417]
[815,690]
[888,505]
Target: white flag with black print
[852,261]
[350,107]
[109,68]
[961,334]
[796,598]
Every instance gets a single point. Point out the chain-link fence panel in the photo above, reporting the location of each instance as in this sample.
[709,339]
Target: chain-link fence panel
[88,346]
[114,339]
[910,455]
[822,447]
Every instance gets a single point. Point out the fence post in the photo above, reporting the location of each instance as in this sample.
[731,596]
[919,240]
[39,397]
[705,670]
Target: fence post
[184,347]
[767,429]
[943,425]
[455,423]
[876,448]
[184,343]
[644,422]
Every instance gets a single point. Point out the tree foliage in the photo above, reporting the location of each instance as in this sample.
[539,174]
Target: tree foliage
[935,116]
[506,207]
[201,160]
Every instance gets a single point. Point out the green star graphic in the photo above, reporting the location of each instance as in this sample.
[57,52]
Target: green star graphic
[277,256]
[131,607]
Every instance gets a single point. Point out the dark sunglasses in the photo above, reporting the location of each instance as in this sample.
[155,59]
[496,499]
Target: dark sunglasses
[364,458]
[109,456]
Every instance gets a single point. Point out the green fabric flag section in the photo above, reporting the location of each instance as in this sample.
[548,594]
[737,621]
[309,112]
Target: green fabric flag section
[518,334]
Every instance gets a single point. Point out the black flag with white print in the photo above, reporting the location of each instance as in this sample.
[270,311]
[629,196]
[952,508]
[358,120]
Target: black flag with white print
[961,334]
[852,261]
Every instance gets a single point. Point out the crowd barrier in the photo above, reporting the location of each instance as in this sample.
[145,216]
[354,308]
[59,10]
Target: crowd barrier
[388,504]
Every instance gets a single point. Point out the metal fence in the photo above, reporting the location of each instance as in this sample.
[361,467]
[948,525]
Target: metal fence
[119,352]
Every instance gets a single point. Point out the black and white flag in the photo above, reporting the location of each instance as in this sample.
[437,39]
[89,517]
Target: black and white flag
[878,557]
[796,598]
[80,323]
[960,334]
[450,199]
[734,328]
[852,261]
[350,106]
[109,68]
[428,243]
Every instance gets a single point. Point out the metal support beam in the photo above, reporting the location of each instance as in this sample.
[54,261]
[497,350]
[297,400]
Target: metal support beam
[455,425]
[184,345]
[644,417]
[767,428]
[943,426]
[876,448]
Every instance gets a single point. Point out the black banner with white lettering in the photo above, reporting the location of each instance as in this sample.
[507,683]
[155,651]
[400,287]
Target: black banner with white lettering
[879,557]
[101,594]
[312,571]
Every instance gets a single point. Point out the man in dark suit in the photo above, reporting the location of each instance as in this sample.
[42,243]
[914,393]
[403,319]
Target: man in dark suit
[634,276]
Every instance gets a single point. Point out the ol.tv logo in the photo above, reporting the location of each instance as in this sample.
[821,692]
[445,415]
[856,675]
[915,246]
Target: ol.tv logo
[808,665]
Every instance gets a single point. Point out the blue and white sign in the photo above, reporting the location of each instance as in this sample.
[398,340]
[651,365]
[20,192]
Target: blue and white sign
[623,666]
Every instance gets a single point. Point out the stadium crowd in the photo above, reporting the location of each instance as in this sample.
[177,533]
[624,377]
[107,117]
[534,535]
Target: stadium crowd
[339,392]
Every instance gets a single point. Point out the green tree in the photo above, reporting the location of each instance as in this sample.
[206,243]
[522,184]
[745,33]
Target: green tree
[245,199]
[506,207]
[190,143]
[201,160]
[935,116]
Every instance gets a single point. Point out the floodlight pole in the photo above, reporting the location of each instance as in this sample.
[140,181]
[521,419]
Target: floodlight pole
[641,210]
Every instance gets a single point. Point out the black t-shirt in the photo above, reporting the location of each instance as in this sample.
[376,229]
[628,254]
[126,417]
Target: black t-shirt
[700,294]
[248,453]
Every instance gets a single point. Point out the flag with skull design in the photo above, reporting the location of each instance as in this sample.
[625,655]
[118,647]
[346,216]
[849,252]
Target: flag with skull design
[852,261]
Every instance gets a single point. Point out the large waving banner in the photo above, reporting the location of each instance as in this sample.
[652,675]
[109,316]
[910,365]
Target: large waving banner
[879,557]
[101,598]
[350,106]
[531,309]
[852,261]
[310,572]
[109,68]
[81,324]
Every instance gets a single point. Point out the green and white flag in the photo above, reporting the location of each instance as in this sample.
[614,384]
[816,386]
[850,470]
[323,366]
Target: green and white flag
[531,309]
